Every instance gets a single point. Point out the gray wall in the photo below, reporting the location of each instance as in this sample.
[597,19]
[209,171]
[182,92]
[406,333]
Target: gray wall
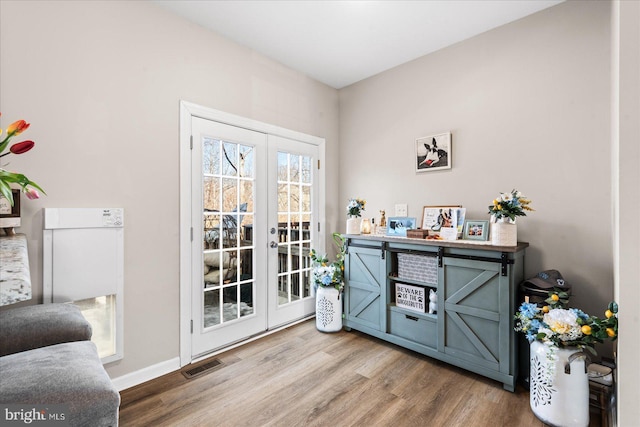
[528,105]
[101,82]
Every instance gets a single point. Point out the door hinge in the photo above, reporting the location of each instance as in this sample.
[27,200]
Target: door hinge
[191,234]
[318,226]
[191,326]
[318,163]
[191,142]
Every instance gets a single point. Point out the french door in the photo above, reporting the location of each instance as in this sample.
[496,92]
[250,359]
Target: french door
[292,211]
[254,198]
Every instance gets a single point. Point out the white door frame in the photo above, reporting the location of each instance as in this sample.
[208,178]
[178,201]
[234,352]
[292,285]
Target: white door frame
[187,110]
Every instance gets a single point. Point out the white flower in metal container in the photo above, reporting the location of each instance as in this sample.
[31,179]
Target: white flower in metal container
[563,322]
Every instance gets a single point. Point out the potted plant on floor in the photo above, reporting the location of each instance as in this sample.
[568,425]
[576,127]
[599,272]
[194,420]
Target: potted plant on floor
[558,336]
[328,282]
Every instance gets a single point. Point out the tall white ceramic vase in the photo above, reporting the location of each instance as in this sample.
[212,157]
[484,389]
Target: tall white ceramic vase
[353,225]
[328,309]
[504,233]
[559,392]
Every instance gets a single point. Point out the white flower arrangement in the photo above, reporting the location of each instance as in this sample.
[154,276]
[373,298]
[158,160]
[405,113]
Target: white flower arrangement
[510,205]
[355,207]
[559,327]
[554,325]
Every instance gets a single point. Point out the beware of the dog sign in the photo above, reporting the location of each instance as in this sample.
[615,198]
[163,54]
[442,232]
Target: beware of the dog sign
[410,297]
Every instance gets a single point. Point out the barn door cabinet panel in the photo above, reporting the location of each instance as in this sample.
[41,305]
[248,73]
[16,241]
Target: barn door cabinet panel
[476,286]
[365,303]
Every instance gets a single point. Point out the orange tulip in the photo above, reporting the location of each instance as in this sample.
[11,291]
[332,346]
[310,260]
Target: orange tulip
[16,128]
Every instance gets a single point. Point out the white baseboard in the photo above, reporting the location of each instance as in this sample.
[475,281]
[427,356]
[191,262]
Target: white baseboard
[146,374]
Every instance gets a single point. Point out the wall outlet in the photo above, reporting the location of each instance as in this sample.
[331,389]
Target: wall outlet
[401,209]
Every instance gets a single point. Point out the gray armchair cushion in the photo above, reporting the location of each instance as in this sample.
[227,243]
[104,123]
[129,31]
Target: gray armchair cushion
[36,326]
[70,374]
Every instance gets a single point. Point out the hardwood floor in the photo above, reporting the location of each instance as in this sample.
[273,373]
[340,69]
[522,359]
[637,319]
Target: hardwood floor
[302,377]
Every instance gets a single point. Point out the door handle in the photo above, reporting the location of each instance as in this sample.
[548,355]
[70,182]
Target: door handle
[273,245]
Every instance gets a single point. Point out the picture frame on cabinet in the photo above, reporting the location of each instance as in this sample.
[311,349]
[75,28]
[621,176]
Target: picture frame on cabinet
[436,217]
[8,211]
[10,215]
[433,152]
[476,230]
[398,226]
[461,213]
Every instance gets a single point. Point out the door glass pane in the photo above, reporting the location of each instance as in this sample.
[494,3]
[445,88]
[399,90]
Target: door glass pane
[229,159]
[211,156]
[306,279]
[283,167]
[294,202]
[294,214]
[228,246]
[246,264]
[246,299]
[229,303]
[246,161]
[246,196]
[246,231]
[295,286]
[230,230]
[211,308]
[305,173]
[211,196]
[283,289]
[306,198]
[294,167]
[229,194]
[283,258]
[230,267]
[211,231]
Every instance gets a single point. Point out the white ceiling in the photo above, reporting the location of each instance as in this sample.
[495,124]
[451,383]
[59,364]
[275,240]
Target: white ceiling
[342,42]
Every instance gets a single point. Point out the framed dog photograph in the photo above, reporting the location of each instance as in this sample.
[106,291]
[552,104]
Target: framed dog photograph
[433,152]
[398,226]
[476,230]
[436,217]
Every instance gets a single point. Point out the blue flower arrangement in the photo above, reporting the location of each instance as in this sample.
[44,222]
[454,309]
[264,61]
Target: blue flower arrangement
[326,273]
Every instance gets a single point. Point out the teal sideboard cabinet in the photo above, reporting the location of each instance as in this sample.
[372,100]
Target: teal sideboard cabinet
[476,285]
